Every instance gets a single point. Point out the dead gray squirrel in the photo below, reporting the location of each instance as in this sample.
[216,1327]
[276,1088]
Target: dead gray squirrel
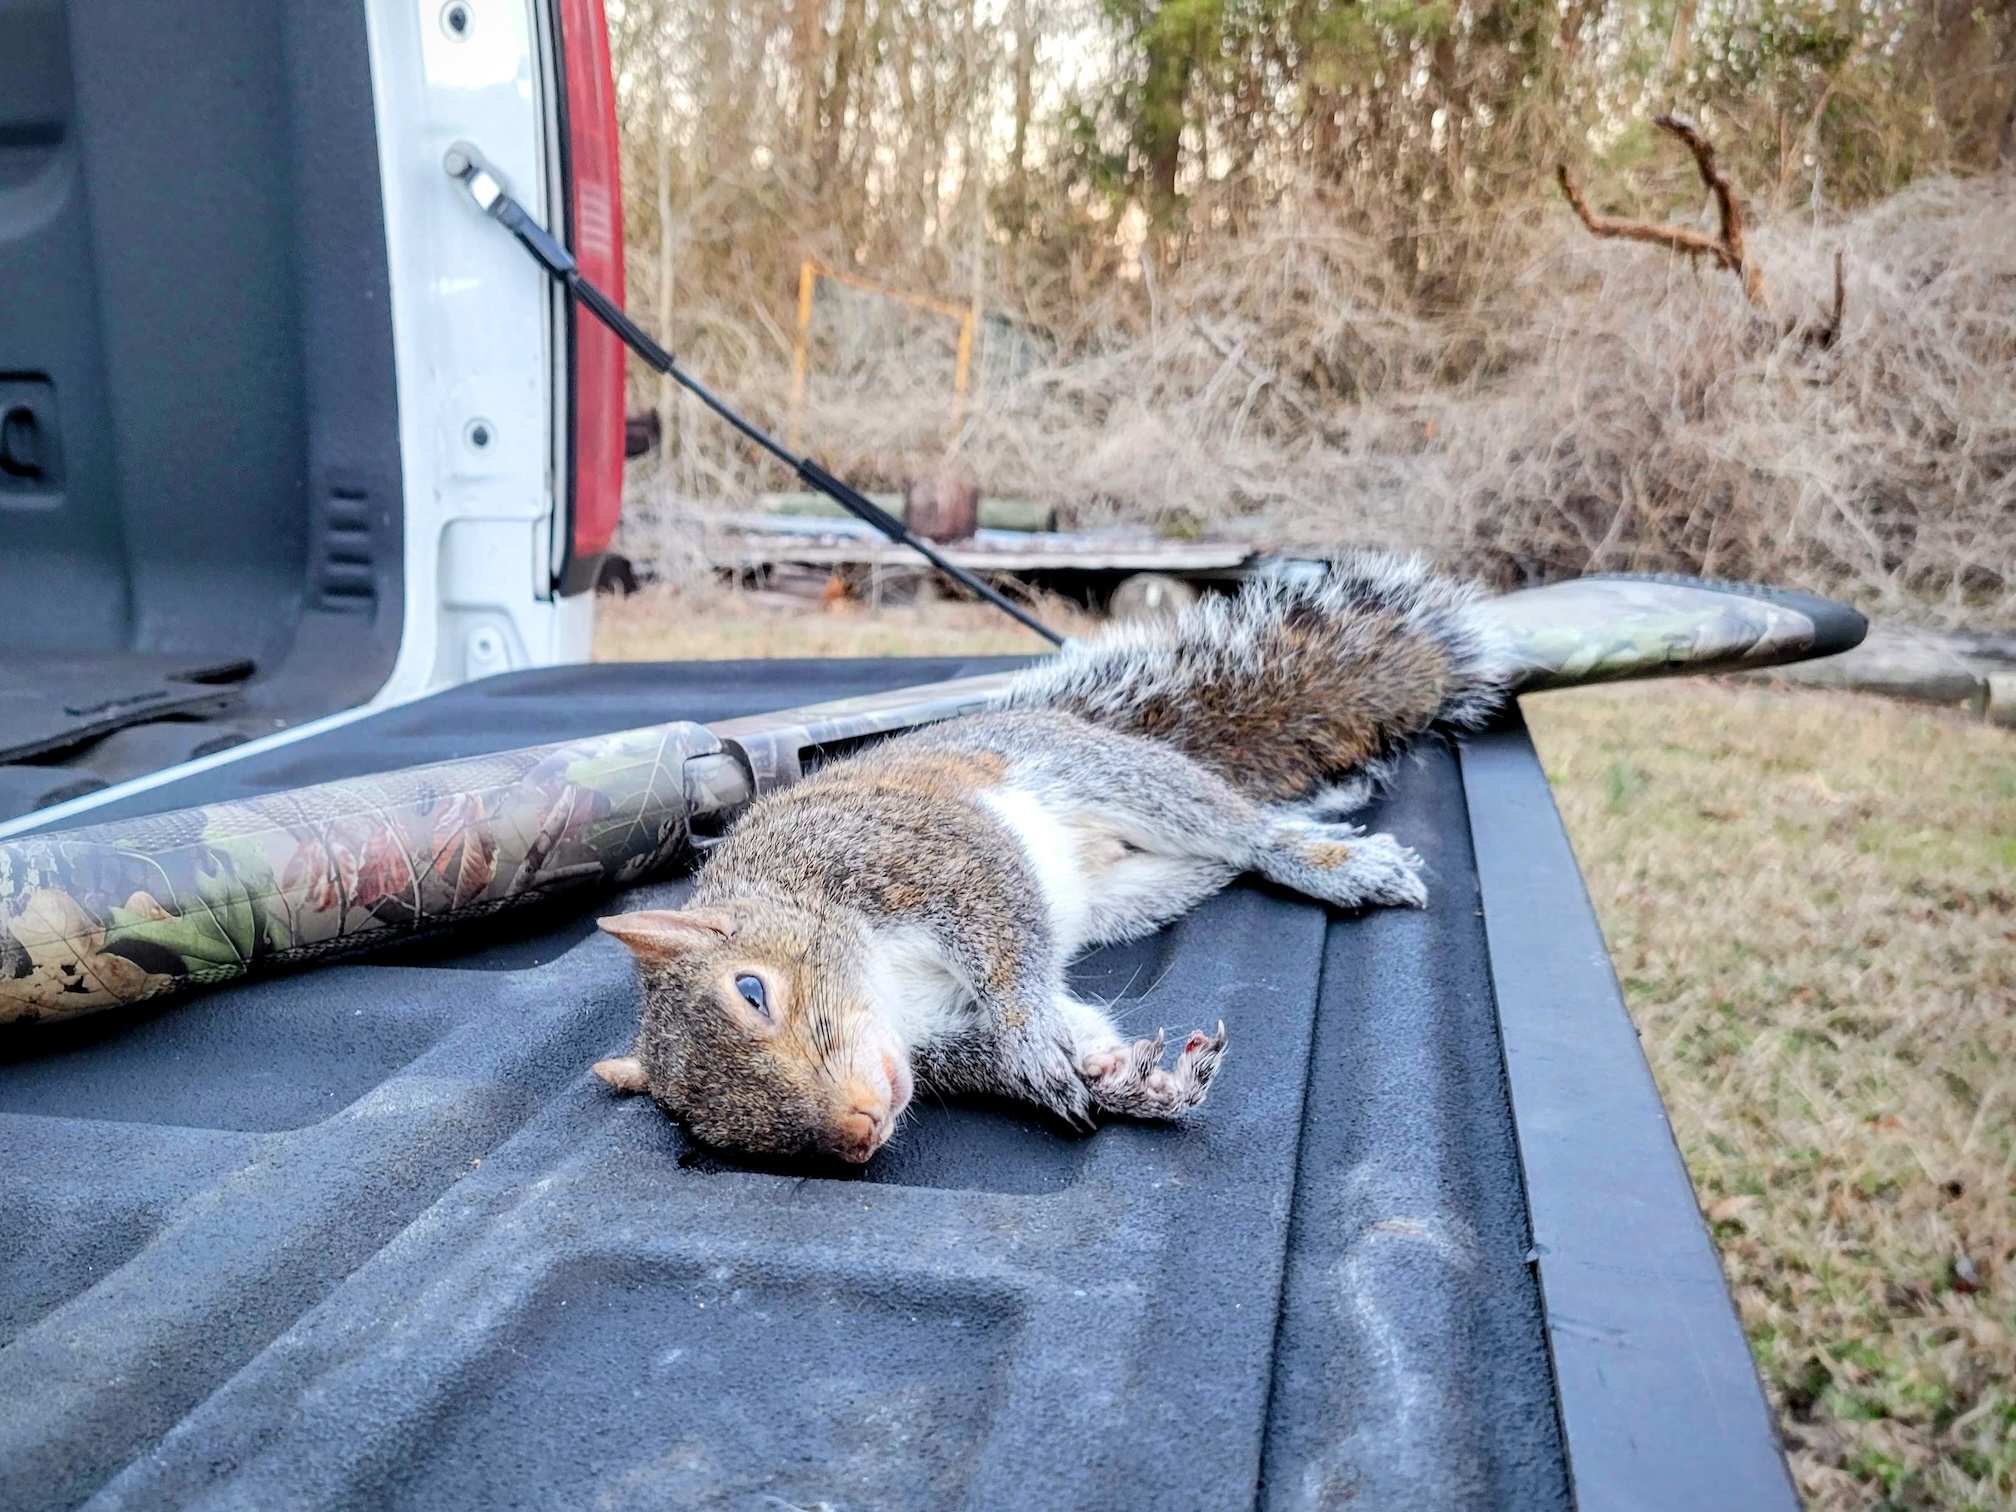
[903,918]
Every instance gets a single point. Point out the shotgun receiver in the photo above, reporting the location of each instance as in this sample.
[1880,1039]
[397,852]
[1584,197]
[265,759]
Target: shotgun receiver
[117,913]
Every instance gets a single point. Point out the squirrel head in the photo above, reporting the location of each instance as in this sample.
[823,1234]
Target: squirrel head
[758,1030]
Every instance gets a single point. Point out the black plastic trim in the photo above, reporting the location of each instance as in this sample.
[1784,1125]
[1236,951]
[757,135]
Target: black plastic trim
[1661,1409]
[581,573]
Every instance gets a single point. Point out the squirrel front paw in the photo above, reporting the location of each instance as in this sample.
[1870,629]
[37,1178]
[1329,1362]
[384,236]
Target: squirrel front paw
[1132,1081]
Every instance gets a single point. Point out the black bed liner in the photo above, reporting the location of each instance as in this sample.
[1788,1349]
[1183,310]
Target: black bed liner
[372,1236]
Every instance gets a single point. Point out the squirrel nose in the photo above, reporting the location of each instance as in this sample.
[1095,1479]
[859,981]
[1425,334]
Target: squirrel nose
[859,1132]
[855,1136]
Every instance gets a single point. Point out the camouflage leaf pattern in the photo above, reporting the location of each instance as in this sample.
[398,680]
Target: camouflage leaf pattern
[121,912]
[1606,629]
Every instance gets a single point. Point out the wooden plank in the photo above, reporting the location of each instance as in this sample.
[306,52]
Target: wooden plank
[996,512]
[777,551]
[749,541]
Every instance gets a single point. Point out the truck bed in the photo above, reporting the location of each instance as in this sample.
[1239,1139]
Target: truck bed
[371,1235]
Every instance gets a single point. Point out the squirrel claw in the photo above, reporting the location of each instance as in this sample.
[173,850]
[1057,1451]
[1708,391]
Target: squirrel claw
[1131,1079]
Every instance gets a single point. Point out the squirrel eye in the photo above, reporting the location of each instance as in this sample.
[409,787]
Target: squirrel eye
[751,988]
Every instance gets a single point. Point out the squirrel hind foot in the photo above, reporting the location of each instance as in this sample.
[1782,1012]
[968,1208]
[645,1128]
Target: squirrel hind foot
[1342,865]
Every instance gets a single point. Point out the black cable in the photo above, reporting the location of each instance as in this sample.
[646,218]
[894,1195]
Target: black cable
[464,165]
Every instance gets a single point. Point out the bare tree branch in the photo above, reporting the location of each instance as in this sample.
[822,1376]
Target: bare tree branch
[1725,250]
[1734,257]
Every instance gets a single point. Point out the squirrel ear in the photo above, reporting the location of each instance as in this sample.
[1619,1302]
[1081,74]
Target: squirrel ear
[660,935]
[623,1072]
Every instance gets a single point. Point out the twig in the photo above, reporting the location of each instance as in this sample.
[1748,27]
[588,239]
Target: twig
[1262,377]
[1726,249]
[1824,336]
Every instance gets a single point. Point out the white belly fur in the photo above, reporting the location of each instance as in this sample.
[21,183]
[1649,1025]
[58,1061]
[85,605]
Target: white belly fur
[1053,848]
[916,988]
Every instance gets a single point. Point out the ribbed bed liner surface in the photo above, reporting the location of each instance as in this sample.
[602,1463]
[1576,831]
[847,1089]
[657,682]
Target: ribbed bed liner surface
[372,1236]
[53,700]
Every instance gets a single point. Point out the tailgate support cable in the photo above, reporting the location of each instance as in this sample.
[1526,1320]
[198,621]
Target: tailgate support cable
[467,168]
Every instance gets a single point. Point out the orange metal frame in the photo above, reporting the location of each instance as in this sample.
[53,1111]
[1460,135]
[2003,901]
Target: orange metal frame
[809,274]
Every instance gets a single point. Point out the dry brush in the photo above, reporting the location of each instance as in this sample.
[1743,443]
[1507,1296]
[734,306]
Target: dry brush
[1590,405]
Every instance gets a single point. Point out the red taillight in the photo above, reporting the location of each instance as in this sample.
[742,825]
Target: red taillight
[595,236]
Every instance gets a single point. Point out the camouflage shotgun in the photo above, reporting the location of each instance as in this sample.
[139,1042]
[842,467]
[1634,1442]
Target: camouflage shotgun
[117,913]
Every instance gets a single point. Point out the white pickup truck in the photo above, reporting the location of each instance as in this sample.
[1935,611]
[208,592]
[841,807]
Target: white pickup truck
[287,429]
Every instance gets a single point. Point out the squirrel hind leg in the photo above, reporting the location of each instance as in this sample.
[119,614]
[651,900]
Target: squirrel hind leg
[1342,865]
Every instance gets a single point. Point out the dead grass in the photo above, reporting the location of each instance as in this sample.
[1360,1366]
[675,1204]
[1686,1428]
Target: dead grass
[1811,902]
[702,624]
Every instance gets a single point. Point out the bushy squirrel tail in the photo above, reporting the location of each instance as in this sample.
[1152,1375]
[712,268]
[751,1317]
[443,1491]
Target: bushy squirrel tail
[1291,685]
